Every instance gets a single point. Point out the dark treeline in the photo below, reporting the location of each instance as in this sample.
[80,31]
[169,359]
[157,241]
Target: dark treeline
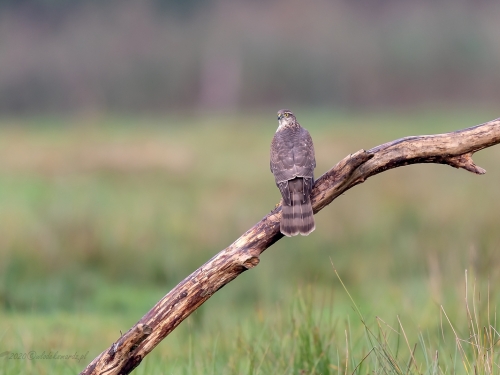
[160,55]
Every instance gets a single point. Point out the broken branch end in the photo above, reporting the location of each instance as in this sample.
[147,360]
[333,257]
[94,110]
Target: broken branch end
[465,162]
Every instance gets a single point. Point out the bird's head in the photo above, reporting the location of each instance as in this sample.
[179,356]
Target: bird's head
[285,117]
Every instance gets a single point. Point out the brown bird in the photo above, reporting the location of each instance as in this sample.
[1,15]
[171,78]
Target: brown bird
[293,163]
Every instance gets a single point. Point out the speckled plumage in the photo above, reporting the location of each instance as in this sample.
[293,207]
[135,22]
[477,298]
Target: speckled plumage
[293,163]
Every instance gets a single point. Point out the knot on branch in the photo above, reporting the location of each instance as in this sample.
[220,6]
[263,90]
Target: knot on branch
[251,262]
[130,340]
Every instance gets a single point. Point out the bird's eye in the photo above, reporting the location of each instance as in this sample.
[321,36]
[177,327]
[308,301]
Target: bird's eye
[286,114]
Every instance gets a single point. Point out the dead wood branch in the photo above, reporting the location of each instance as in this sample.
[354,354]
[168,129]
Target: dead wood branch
[455,149]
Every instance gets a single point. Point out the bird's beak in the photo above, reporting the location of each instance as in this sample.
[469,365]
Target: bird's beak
[280,117]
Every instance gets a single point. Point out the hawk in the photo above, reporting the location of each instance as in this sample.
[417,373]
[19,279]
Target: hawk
[293,163]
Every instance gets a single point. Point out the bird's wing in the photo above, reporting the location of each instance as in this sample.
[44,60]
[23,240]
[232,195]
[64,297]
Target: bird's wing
[282,160]
[303,153]
[280,165]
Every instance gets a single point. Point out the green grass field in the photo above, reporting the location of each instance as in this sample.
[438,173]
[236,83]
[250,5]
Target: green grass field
[102,216]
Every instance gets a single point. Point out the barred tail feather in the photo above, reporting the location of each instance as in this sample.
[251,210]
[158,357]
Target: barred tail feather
[298,217]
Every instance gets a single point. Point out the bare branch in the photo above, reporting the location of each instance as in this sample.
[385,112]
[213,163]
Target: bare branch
[455,149]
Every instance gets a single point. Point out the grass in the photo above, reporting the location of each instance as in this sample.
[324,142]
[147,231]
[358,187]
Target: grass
[101,216]
[308,336]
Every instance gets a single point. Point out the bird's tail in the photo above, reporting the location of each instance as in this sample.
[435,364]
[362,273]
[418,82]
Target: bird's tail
[298,217]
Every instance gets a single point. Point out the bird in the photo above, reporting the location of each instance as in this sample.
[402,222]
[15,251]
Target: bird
[292,164]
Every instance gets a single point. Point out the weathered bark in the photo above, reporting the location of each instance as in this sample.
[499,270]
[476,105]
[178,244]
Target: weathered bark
[455,149]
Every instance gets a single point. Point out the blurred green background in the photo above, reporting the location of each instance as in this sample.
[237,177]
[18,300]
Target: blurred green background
[134,145]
